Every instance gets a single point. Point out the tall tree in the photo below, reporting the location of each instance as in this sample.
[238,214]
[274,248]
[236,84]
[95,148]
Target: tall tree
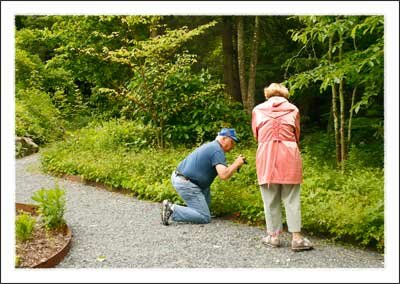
[253,64]
[334,106]
[156,65]
[342,107]
[241,60]
[247,88]
[232,86]
[357,67]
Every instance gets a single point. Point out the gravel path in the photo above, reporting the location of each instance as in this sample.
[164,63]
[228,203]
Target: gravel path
[112,230]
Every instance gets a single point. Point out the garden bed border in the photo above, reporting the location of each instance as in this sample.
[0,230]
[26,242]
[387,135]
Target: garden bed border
[57,257]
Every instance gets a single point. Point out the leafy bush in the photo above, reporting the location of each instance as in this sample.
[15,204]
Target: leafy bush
[315,145]
[36,117]
[51,206]
[24,225]
[203,109]
[365,156]
[344,205]
[189,108]
[119,169]
[27,68]
[362,152]
[112,135]
[46,94]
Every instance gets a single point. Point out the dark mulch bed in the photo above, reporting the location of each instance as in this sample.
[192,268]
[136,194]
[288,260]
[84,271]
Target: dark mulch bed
[42,246]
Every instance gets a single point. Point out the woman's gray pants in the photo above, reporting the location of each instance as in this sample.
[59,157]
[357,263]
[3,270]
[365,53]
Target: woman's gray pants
[272,196]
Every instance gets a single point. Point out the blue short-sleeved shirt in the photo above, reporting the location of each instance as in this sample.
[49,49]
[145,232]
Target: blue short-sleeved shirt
[199,165]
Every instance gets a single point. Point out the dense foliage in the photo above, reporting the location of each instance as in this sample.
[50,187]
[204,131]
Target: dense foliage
[345,55]
[118,66]
[157,70]
[37,117]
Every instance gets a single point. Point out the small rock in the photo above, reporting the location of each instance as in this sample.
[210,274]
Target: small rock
[25,146]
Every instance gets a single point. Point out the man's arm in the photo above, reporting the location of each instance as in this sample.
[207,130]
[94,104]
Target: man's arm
[225,172]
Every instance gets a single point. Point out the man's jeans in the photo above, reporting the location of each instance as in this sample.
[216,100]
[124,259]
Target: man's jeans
[196,199]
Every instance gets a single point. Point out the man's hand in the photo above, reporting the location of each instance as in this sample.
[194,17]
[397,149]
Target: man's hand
[241,160]
[226,172]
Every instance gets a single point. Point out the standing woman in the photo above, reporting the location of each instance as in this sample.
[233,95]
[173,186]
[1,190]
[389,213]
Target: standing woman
[276,126]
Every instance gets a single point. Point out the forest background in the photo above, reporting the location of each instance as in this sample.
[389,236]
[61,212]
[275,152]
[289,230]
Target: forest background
[122,99]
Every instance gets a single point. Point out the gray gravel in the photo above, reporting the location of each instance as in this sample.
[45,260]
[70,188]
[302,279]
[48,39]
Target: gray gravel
[112,230]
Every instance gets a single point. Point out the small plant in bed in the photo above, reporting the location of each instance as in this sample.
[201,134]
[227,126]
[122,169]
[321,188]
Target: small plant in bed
[41,234]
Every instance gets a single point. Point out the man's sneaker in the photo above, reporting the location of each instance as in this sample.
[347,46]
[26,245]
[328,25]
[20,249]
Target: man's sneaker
[166,212]
[271,241]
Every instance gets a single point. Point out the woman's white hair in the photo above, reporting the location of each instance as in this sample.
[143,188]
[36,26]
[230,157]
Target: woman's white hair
[276,89]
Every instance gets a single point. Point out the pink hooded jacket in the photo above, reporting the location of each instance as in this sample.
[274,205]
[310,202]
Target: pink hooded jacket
[276,126]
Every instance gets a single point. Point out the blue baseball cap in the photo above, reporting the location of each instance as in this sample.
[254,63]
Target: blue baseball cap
[229,132]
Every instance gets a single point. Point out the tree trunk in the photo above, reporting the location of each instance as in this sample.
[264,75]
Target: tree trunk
[253,64]
[235,65]
[342,117]
[336,125]
[330,119]
[342,121]
[229,59]
[241,60]
[351,115]
[334,110]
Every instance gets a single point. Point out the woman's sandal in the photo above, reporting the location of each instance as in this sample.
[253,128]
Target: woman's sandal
[271,241]
[302,244]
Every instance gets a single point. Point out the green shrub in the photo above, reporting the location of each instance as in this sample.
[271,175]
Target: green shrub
[51,206]
[365,156]
[36,117]
[113,135]
[344,205]
[24,225]
[27,67]
[189,107]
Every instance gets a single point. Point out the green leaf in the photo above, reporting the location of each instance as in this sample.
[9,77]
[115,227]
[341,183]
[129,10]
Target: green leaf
[101,258]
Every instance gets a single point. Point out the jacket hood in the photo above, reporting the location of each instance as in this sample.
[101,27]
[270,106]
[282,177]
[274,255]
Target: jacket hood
[276,107]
